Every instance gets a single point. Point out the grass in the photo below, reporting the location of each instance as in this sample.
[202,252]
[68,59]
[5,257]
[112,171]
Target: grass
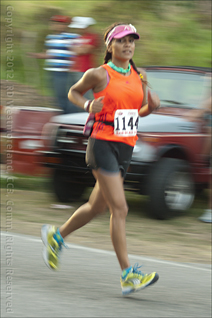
[29,183]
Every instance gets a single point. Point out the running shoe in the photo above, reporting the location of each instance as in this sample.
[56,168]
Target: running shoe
[207,216]
[53,243]
[133,280]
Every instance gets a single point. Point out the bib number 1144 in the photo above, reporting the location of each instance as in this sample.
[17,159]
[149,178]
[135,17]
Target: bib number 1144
[126,122]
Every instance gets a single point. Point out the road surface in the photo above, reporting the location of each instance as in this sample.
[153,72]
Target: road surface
[87,284]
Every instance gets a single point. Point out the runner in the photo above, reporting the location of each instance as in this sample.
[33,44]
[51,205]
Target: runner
[120,97]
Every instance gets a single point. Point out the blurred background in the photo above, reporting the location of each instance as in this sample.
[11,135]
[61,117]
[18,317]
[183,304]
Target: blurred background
[172,33]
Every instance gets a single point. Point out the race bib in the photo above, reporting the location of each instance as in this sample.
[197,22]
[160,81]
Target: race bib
[126,122]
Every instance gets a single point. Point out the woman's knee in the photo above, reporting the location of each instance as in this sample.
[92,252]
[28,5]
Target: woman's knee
[120,210]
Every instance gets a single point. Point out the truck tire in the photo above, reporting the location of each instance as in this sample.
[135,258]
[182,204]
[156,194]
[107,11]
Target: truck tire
[170,188]
[65,187]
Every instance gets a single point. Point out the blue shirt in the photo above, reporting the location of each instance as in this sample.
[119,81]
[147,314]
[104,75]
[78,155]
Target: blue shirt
[58,47]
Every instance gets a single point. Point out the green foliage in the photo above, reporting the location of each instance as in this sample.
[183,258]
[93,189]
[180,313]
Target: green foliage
[172,32]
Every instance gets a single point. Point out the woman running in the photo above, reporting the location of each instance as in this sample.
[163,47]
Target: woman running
[119,99]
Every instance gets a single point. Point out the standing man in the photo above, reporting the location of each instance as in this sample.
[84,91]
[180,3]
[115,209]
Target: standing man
[59,58]
[86,49]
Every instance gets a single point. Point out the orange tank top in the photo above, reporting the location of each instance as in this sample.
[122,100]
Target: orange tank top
[122,92]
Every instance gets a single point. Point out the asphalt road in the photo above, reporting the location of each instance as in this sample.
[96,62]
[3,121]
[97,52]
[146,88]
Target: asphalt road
[87,284]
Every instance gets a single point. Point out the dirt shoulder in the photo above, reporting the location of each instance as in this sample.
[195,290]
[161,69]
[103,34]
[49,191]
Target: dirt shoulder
[183,239]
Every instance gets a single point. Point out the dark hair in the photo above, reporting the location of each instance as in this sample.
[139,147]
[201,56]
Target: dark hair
[108,55]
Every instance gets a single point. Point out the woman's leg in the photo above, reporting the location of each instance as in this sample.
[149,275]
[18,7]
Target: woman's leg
[111,186]
[108,191]
[85,213]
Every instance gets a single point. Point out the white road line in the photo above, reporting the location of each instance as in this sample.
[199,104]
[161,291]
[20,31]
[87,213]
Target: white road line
[98,251]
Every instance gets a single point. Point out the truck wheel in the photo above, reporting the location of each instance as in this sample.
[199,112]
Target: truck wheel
[170,188]
[66,188]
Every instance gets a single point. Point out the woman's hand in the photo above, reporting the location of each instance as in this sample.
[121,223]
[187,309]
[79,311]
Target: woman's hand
[153,101]
[96,105]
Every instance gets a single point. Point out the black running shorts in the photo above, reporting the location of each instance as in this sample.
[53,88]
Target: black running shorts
[110,156]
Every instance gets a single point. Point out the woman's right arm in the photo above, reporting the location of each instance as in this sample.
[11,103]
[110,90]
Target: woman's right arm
[92,79]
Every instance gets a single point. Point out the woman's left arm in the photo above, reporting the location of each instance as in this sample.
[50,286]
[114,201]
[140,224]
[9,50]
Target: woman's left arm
[153,100]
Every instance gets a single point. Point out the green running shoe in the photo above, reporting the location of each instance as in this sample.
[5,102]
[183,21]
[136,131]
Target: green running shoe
[53,243]
[134,280]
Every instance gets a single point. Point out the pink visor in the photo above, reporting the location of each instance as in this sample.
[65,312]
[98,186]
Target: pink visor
[120,31]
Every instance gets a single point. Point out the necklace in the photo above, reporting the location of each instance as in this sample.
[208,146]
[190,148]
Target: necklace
[119,69]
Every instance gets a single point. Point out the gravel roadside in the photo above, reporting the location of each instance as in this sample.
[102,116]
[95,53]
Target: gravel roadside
[183,239]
